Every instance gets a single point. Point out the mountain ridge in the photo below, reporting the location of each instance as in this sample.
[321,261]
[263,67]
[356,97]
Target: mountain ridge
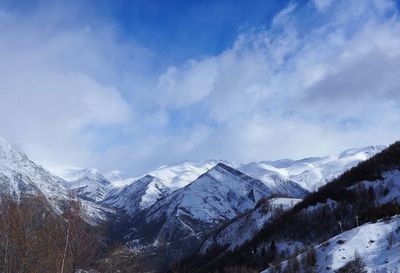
[181,205]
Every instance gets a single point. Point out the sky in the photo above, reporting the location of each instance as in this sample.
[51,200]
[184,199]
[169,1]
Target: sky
[134,85]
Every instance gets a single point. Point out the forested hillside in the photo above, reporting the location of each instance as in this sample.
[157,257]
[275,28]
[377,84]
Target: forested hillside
[366,193]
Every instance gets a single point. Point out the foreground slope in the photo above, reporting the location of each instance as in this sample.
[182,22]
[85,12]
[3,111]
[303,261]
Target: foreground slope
[244,227]
[377,243]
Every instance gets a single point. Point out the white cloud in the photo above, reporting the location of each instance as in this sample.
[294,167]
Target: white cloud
[71,94]
[322,4]
[52,95]
[188,84]
[295,89]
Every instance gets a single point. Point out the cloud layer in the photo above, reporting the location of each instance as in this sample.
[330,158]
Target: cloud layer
[319,78]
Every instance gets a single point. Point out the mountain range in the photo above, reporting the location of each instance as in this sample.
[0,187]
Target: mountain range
[191,208]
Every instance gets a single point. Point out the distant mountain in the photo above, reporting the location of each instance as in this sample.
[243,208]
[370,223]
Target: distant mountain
[19,176]
[309,173]
[284,177]
[89,184]
[113,176]
[135,194]
[188,214]
[194,208]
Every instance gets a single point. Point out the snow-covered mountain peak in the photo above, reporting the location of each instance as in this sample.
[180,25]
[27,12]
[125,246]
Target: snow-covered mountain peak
[9,155]
[75,173]
[138,195]
[180,175]
[113,176]
[312,172]
[362,153]
[88,183]
[260,169]
[219,194]
[135,194]
[175,176]
[222,168]
[19,175]
[215,197]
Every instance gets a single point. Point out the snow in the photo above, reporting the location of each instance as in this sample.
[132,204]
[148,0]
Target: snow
[245,227]
[275,179]
[113,176]
[215,197]
[210,192]
[88,183]
[19,175]
[218,195]
[369,240]
[174,177]
[309,173]
[137,193]
[285,203]
[137,196]
[292,178]
[391,181]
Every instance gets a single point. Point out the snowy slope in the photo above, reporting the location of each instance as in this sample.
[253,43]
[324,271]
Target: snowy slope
[370,240]
[309,173]
[187,215]
[166,201]
[246,226]
[135,194]
[178,176]
[284,178]
[113,176]
[173,177]
[389,180]
[87,183]
[217,195]
[19,175]
[275,179]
